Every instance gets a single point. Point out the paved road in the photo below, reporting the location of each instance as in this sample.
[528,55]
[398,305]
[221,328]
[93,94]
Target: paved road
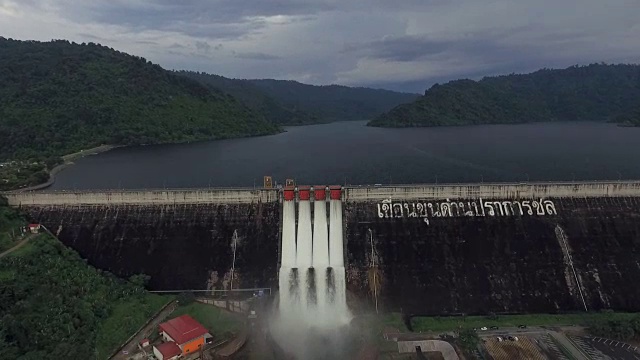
[18,245]
[562,339]
[132,345]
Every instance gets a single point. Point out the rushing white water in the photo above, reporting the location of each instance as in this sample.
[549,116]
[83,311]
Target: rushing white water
[321,256]
[320,235]
[288,299]
[288,250]
[304,254]
[312,283]
[312,275]
[336,256]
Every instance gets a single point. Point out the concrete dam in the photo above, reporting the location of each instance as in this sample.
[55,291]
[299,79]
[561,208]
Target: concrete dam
[440,249]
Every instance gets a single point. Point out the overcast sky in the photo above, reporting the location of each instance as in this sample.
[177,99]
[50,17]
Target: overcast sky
[401,45]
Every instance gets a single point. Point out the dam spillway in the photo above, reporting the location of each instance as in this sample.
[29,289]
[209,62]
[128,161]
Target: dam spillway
[312,287]
[472,248]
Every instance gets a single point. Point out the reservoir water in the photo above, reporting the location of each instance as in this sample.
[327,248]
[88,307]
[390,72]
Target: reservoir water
[351,153]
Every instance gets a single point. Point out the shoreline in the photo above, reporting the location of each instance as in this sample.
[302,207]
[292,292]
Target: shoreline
[68,160]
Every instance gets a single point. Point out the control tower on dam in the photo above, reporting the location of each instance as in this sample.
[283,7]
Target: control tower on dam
[440,249]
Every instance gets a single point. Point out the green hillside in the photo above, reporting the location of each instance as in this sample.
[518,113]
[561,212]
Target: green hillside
[54,306]
[629,118]
[254,98]
[60,97]
[332,102]
[294,103]
[580,93]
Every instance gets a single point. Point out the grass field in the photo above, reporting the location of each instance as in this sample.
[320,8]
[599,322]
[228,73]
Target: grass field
[457,322]
[215,319]
[125,319]
[393,320]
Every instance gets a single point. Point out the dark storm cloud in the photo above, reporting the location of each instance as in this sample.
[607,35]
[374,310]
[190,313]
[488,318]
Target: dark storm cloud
[201,17]
[203,46]
[256,56]
[406,45]
[91,37]
[411,48]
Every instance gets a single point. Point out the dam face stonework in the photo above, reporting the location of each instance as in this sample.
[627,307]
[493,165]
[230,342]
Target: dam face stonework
[441,249]
[184,246]
[463,260]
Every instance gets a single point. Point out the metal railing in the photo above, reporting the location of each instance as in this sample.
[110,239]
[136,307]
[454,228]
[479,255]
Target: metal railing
[212,291]
[346,187]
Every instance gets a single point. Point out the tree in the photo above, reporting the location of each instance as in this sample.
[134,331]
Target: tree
[140,280]
[53,161]
[53,305]
[186,298]
[58,98]
[595,92]
[624,329]
[468,339]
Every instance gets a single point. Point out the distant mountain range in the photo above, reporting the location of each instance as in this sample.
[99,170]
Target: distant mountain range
[60,97]
[595,92]
[292,103]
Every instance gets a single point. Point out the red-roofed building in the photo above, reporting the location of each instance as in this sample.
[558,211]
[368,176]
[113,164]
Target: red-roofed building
[185,332]
[167,351]
[34,228]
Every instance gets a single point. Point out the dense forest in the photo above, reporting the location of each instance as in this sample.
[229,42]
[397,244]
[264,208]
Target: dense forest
[595,92]
[254,98]
[629,118]
[10,226]
[60,97]
[54,306]
[293,103]
[332,102]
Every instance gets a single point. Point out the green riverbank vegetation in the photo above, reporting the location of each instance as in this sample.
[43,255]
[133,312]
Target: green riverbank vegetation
[55,306]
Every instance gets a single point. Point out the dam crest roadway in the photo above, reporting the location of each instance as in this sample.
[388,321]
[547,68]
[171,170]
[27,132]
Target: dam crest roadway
[350,193]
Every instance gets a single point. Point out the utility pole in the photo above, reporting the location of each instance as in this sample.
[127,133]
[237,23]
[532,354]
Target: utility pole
[373,263]
[234,245]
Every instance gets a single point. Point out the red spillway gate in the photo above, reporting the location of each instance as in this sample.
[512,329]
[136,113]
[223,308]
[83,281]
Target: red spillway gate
[304,192]
[336,192]
[289,194]
[319,192]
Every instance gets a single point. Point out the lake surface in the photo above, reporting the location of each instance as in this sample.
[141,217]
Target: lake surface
[351,153]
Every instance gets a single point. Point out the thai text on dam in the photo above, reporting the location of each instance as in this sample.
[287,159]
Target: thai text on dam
[447,208]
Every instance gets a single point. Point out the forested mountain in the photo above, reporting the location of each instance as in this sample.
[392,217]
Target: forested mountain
[629,118]
[595,92]
[293,103]
[59,97]
[332,102]
[254,98]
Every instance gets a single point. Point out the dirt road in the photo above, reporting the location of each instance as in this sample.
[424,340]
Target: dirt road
[17,246]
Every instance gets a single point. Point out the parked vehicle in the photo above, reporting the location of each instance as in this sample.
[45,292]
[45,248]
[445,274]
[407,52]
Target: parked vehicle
[494,328]
[522,326]
[484,328]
